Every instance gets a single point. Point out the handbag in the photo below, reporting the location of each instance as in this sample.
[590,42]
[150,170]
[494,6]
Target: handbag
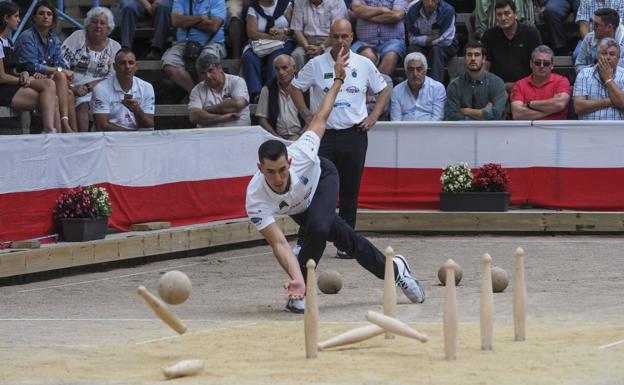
[193,48]
[263,47]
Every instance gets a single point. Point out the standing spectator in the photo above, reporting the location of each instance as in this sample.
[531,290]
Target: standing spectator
[39,50]
[477,94]
[17,89]
[555,12]
[599,90]
[131,11]
[431,30]
[266,19]
[276,112]
[310,23]
[346,140]
[509,44]
[543,94]
[90,54]
[371,97]
[419,97]
[220,99]
[202,24]
[606,24]
[585,14]
[123,102]
[380,25]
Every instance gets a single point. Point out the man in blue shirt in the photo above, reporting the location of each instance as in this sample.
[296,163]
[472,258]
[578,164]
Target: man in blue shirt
[202,24]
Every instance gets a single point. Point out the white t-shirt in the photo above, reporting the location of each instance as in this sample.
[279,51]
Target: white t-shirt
[305,171]
[350,106]
[4,43]
[88,65]
[107,97]
[280,22]
[234,86]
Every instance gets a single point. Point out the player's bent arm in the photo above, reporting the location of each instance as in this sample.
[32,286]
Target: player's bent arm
[274,235]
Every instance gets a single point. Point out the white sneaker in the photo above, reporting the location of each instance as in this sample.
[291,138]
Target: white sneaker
[296,249]
[410,285]
[296,305]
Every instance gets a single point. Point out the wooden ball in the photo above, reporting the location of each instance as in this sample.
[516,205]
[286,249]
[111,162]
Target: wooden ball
[500,279]
[330,282]
[174,287]
[442,274]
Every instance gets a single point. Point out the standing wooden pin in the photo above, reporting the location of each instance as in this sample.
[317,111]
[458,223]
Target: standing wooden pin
[519,297]
[450,313]
[390,298]
[487,304]
[311,313]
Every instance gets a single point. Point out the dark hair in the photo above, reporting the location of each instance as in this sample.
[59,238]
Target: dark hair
[7,9]
[124,50]
[365,47]
[47,4]
[608,16]
[503,3]
[475,44]
[272,150]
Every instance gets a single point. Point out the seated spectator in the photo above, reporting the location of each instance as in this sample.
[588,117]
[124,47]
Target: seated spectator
[220,99]
[606,24]
[371,97]
[509,44]
[585,14]
[131,11]
[123,102]
[202,24]
[477,94]
[310,23]
[90,54]
[599,90]
[39,50]
[419,97]
[276,112]
[431,30]
[266,19]
[485,18]
[555,13]
[17,89]
[543,94]
[235,26]
[382,27]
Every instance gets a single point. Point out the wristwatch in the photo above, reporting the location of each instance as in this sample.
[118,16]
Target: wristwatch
[59,69]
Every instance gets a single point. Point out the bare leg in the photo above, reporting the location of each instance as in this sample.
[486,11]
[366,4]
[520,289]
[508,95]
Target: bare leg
[62,91]
[180,77]
[71,110]
[82,117]
[46,96]
[388,63]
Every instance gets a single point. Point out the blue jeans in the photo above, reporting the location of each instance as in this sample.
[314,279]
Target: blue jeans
[252,66]
[130,11]
[392,45]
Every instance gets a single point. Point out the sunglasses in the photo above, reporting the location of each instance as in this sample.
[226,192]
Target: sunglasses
[544,63]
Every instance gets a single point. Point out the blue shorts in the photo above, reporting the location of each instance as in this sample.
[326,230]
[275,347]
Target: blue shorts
[392,45]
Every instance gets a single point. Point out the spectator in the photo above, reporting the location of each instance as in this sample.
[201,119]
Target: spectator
[477,94]
[585,13]
[371,97]
[235,26]
[39,50]
[220,99]
[123,102]
[599,90]
[203,24]
[555,12]
[346,140]
[131,11]
[543,94]
[266,19]
[380,25]
[606,24]
[90,54]
[485,18]
[276,112]
[419,97]
[431,30]
[310,23]
[18,90]
[509,44]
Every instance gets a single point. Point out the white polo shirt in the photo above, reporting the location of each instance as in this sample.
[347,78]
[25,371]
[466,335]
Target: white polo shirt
[107,97]
[350,106]
[305,171]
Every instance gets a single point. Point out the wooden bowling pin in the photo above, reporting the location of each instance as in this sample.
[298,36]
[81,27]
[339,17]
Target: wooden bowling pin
[184,368]
[395,326]
[519,298]
[161,310]
[311,313]
[352,336]
[486,304]
[390,298]
[450,313]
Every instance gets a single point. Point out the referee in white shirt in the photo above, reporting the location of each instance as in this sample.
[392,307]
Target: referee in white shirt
[296,182]
[346,140]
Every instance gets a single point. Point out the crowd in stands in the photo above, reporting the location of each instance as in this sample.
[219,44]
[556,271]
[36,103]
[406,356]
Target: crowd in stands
[88,81]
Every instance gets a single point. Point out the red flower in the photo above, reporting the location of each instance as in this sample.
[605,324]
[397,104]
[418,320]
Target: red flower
[490,178]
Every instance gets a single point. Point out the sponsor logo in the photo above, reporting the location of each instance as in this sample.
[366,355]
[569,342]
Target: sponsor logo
[328,75]
[304,180]
[282,205]
[326,89]
[352,90]
[98,103]
[342,104]
[255,220]
[354,73]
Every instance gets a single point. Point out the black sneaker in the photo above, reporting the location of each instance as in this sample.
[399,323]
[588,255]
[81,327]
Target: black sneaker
[343,255]
[410,285]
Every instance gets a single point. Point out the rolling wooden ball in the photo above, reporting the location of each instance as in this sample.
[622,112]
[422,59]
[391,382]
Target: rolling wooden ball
[442,274]
[500,279]
[174,287]
[329,281]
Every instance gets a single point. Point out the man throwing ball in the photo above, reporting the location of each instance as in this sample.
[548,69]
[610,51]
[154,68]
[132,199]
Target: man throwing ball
[296,182]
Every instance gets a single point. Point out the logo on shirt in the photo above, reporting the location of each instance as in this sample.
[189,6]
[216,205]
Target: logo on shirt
[352,90]
[328,75]
[342,104]
[255,220]
[304,180]
[283,204]
[98,103]
[354,73]
[326,89]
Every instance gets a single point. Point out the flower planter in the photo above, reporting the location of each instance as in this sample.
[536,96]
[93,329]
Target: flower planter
[474,201]
[83,229]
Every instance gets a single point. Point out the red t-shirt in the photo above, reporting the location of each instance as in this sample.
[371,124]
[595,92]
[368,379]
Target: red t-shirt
[525,90]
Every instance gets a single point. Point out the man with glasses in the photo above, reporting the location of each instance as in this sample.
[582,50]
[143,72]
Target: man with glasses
[543,94]
[606,24]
